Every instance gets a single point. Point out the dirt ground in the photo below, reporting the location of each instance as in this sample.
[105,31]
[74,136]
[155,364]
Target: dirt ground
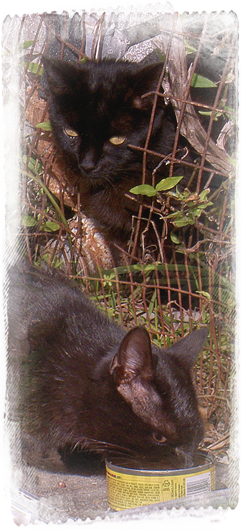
[51,493]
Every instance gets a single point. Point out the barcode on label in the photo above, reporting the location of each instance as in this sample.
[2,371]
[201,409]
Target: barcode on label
[198,484]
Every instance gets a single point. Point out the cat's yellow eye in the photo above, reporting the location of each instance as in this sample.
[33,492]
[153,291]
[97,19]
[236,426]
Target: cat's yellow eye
[71,133]
[160,440]
[117,140]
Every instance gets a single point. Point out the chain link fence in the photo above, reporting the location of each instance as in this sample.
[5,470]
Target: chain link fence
[176,271]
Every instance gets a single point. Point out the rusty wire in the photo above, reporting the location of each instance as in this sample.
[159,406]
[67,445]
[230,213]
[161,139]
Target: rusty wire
[170,301]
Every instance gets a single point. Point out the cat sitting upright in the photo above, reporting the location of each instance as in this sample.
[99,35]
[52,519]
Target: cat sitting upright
[97,113]
[87,382]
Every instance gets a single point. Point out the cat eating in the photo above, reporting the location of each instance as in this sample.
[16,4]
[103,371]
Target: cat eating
[98,112]
[88,383]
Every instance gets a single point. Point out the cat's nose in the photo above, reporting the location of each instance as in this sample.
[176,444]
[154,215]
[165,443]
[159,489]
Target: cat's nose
[88,162]
[186,457]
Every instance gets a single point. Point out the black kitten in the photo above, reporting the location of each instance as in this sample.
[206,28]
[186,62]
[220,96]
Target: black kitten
[97,112]
[92,384]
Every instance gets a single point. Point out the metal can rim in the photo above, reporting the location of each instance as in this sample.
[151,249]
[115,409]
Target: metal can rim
[209,463]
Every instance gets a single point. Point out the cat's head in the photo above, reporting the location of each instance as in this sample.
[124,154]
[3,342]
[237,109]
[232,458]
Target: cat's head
[97,111]
[158,386]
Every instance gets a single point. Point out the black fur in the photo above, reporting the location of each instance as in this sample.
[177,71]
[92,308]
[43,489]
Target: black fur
[89,383]
[99,101]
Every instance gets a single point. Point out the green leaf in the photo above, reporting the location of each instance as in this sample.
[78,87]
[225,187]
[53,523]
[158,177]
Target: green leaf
[45,125]
[235,163]
[203,195]
[189,48]
[49,226]
[161,56]
[168,183]
[28,220]
[175,239]
[179,219]
[33,165]
[34,67]
[205,112]
[179,223]
[198,81]
[4,53]
[204,293]
[25,45]
[144,189]
[231,112]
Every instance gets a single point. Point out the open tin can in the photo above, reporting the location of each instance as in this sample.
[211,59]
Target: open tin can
[131,485]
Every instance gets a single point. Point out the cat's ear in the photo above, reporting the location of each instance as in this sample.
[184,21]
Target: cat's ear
[134,357]
[57,74]
[188,348]
[145,81]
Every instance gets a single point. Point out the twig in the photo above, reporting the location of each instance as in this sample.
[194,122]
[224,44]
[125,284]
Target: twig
[188,123]
[219,443]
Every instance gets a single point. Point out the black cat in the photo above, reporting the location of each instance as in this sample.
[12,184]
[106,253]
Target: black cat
[97,112]
[89,383]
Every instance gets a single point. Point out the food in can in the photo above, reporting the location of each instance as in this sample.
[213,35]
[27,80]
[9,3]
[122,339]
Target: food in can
[132,484]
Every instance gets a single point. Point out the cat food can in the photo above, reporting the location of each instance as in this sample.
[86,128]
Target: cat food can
[130,485]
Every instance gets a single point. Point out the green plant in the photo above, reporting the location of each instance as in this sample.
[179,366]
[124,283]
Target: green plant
[188,205]
[150,191]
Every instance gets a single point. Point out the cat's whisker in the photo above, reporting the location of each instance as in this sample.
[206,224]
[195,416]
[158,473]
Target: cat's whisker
[102,446]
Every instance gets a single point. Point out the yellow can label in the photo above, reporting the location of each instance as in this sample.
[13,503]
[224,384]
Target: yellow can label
[129,491]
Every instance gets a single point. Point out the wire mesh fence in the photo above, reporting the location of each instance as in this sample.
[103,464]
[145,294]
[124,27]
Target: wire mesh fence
[176,270]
